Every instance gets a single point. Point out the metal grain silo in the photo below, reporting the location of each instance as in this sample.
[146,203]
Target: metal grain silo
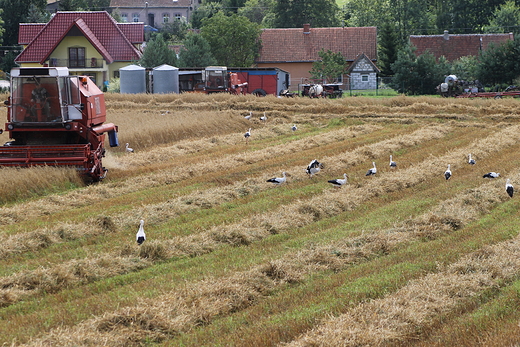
[132,79]
[165,79]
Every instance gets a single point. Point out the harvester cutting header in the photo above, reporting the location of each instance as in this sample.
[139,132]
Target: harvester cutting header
[56,119]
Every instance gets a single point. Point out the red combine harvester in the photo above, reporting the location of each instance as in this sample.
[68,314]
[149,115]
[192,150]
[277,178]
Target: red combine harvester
[56,119]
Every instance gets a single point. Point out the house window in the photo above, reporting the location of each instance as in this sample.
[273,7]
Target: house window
[116,74]
[135,17]
[166,17]
[178,16]
[364,78]
[76,56]
[124,17]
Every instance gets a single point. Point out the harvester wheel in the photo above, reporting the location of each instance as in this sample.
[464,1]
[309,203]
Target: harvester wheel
[259,92]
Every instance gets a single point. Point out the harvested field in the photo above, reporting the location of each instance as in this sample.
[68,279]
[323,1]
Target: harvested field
[401,258]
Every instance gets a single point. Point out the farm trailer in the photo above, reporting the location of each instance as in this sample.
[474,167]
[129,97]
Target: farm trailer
[258,81]
[58,120]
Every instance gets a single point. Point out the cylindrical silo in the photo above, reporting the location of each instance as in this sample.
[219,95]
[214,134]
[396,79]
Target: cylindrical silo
[165,79]
[132,79]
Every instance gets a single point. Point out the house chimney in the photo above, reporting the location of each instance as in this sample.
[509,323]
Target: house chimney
[446,35]
[306,28]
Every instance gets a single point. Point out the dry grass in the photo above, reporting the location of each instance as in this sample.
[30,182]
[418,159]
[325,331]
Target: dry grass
[203,191]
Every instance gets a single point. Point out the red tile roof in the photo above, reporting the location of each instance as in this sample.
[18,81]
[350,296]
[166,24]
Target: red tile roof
[98,27]
[293,45]
[28,32]
[452,47]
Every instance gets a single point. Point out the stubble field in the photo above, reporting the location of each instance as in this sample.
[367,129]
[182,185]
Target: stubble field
[401,258]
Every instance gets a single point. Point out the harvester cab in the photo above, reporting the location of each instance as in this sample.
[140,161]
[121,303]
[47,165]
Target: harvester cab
[215,79]
[56,119]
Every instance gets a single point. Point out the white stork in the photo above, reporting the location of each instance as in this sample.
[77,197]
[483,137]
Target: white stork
[372,171]
[509,188]
[392,163]
[313,168]
[128,149]
[338,182]
[140,236]
[447,173]
[247,135]
[263,118]
[491,175]
[250,115]
[471,161]
[294,128]
[278,180]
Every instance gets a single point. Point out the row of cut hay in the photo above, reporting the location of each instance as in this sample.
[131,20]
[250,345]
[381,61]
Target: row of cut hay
[65,275]
[240,234]
[24,183]
[157,213]
[290,216]
[31,241]
[184,148]
[183,170]
[200,302]
[403,316]
[398,104]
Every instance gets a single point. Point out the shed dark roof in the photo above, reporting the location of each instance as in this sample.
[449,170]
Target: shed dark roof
[103,32]
[293,45]
[452,47]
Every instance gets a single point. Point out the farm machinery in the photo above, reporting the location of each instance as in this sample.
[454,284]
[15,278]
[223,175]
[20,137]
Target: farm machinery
[58,120]
[217,79]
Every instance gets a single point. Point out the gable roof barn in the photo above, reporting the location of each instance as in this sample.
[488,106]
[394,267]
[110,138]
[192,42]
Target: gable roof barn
[452,47]
[297,45]
[114,41]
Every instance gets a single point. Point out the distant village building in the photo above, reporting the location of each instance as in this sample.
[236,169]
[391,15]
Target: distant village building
[363,73]
[455,46]
[88,43]
[155,13]
[296,49]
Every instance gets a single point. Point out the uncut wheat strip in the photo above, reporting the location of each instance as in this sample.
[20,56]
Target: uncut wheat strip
[419,305]
[93,194]
[199,302]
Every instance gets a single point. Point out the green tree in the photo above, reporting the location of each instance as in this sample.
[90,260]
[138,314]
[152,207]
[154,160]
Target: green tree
[295,13]
[330,67]
[14,13]
[116,14]
[206,10]
[2,30]
[8,61]
[196,52]
[157,53]
[360,13]
[465,68]
[234,40]
[257,10]
[418,75]
[498,64]
[176,30]
[505,19]
[388,47]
